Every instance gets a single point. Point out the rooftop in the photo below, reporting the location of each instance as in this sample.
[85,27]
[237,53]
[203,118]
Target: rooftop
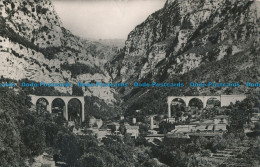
[220,116]
[131,127]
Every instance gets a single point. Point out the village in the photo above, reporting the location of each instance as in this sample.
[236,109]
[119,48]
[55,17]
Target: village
[190,119]
[185,122]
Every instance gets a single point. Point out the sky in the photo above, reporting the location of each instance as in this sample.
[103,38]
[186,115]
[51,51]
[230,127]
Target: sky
[104,19]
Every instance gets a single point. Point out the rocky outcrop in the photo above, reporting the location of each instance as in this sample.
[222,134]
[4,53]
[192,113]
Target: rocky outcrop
[34,45]
[186,34]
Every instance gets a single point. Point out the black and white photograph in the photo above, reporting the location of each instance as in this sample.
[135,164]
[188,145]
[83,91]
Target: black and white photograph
[129,83]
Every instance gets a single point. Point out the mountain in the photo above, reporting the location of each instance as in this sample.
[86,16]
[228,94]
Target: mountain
[104,50]
[35,45]
[189,40]
[185,34]
[185,41]
[119,43]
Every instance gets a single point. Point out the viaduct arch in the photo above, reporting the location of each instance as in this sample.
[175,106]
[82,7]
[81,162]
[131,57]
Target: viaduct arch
[225,100]
[66,100]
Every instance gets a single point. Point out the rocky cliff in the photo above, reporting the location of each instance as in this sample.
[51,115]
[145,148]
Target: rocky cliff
[190,40]
[35,45]
[186,34]
[195,39]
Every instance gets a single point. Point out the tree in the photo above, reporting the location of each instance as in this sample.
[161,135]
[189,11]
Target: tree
[122,129]
[239,116]
[228,91]
[143,128]
[77,91]
[69,148]
[166,127]
[90,160]
[9,140]
[140,140]
[34,139]
[257,126]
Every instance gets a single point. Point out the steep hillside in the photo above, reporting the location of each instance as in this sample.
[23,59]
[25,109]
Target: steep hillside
[186,41]
[34,45]
[186,34]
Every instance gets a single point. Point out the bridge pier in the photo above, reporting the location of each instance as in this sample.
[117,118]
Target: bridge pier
[83,111]
[169,109]
[204,101]
[48,107]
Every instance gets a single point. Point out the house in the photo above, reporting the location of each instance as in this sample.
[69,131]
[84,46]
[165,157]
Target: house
[114,125]
[183,118]
[221,119]
[117,133]
[152,132]
[122,117]
[183,128]
[210,105]
[78,131]
[255,119]
[133,130]
[220,123]
[172,120]
[134,121]
[201,128]
[99,122]
[220,127]
[99,133]
[71,123]
[95,122]
[197,126]
[92,121]
[204,125]
[44,160]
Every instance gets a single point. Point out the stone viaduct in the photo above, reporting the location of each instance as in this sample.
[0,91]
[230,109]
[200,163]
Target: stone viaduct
[65,99]
[225,100]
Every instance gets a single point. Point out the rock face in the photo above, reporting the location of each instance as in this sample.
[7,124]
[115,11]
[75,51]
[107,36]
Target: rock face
[182,36]
[186,34]
[34,45]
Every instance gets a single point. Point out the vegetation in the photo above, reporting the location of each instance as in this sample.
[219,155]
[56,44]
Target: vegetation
[226,70]
[79,68]
[7,32]
[99,109]
[26,133]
